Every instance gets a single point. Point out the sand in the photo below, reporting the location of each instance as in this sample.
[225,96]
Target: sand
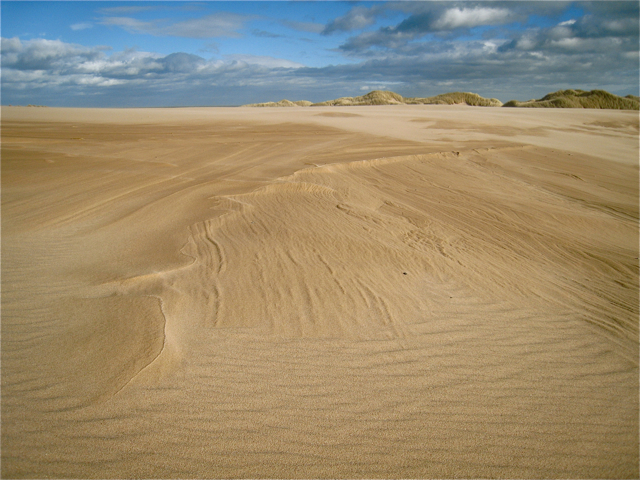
[362,292]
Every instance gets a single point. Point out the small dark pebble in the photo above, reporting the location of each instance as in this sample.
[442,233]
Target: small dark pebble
[404,273]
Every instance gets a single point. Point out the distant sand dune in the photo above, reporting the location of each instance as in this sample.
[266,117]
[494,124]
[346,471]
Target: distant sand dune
[282,103]
[580,99]
[372,292]
[560,99]
[379,97]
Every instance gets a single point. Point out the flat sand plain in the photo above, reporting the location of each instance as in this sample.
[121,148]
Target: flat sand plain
[362,292]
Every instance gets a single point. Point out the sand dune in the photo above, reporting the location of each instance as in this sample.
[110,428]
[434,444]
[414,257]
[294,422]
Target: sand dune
[282,103]
[379,97]
[580,99]
[405,291]
[561,99]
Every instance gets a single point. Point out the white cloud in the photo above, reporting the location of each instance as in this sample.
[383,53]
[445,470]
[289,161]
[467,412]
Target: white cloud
[527,42]
[81,26]
[568,43]
[356,19]
[471,17]
[490,46]
[70,70]
[264,61]
[42,54]
[378,86]
[130,24]
[97,81]
[222,24]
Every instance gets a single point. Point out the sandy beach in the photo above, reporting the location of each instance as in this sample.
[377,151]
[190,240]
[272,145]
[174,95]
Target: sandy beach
[407,291]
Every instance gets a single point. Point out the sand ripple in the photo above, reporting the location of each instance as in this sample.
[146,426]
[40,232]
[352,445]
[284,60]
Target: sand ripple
[218,295]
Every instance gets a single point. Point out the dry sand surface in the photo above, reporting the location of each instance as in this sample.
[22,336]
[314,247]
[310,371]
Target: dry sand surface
[394,291]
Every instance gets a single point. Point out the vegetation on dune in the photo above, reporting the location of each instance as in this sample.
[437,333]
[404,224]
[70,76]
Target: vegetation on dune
[379,97]
[457,98]
[376,97]
[282,103]
[560,99]
[580,99]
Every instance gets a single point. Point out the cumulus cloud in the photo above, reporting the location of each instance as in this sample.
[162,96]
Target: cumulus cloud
[41,54]
[604,27]
[427,18]
[75,73]
[471,17]
[588,34]
[387,38]
[181,62]
[72,72]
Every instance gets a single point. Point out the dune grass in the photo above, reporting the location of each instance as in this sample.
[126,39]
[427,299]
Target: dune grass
[380,97]
[580,99]
[561,99]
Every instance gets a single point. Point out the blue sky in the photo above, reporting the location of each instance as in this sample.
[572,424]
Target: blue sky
[151,53]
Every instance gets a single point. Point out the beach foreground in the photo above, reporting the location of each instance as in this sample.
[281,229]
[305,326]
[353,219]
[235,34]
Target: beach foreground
[364,292]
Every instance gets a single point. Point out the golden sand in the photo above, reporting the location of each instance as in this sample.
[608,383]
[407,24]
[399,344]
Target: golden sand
[394,291]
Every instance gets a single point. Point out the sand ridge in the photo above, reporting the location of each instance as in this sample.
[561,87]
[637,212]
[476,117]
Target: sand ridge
[413,291]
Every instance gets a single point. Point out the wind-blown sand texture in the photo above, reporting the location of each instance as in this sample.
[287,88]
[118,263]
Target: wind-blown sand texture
[395,291]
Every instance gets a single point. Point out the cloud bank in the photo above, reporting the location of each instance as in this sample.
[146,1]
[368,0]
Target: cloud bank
[489,48]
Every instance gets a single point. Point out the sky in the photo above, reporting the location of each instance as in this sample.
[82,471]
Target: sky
[191,53]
